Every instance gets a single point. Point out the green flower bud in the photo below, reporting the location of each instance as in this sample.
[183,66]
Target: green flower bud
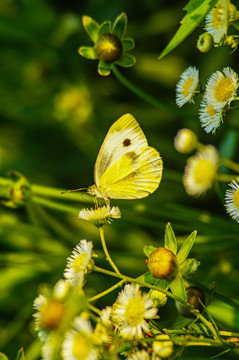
[205,42]
[162,264]
[108,48]
[195,297]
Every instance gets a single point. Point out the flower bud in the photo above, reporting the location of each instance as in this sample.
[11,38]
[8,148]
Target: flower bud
[185,141]
[51,314]
[233,14]
[163,348]
[205,42]
[195,297]
[162,263]
[108,47]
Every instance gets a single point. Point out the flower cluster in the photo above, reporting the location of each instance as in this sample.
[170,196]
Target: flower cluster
[220,91]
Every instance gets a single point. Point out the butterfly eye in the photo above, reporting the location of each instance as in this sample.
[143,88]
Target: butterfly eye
[126,142]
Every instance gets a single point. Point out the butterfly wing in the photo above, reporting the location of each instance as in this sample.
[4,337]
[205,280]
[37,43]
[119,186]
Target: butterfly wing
[126,167]
[134,175]
[123,136]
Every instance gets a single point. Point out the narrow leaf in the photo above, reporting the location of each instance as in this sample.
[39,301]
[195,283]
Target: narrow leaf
[170,241]
[126,60]
[188,266]
[91,27]
[196,11]
[120,25]
[148,249]
[147,278]
[177,287]
[128,44]
[186,247]
[104,28]
[3,356]
[87,52]
[104,68]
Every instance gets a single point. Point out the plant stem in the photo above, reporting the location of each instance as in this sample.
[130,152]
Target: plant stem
[61,194]
[230,164]
[109,290]
[55,205]
[102,237]
[143,95]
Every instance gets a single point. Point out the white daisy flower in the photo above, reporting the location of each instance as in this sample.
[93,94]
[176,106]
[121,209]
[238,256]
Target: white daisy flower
[188,86]
[201,171]
[78,343]
[131,310]
[217,21]
[232,200]
[221,88]
[101,215]
[78,262]
[210,117]
[49,315]
[139,355]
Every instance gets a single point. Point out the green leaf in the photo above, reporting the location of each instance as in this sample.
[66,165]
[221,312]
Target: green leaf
[188,266]
[88,52]
[186,247]
[126,60]
[3,356]
[228,147]
[196,11]
[177,287]
[148,249]
[91,27]
[147,278]
[104,68]
[162,283]
[104,28]
[120,25]
[128,44]
[170,241]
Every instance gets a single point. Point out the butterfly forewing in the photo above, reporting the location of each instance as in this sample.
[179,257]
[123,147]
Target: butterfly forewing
[124,136]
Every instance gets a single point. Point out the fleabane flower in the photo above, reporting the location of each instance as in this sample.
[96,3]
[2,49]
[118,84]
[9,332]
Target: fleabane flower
[217,21]
[221,88]
[139,355]
[110,45]
[131,310]
[78,343]
[79,263]
[49,314]
[201,171]
[232,200]
[101,215]
[210,117]
[188,86]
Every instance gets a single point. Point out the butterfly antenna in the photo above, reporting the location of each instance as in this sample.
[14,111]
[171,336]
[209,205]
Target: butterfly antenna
[74,190]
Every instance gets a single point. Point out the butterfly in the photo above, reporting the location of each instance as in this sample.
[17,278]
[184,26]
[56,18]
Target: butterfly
[126,166]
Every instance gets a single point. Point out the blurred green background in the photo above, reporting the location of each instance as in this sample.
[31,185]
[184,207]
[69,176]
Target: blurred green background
[54,113]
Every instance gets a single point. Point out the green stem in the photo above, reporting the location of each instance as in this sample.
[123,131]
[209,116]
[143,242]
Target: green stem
[55,205]
[143,95]
[227,177]
[61,194]
[108,257]
[230,164]
[109,290]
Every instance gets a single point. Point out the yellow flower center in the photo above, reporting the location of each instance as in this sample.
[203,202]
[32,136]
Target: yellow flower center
[204,172]
[216,20]
[81,347]
[79,262]
[187,86]
[134,311]
[51,314]
[236,198]
[224,90]
[210,110]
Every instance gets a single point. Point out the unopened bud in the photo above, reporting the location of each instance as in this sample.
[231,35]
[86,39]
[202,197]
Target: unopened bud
[205,42]
[108,47]
[196,298]
[185,141]
[163,346]
[162,264]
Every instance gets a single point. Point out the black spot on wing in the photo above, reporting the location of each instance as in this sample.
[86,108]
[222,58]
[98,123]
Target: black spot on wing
[126,142]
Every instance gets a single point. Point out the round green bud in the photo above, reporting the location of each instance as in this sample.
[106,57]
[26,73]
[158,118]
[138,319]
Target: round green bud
[195,297]
[205,42]
[162,264]
[185,141]
[108,47]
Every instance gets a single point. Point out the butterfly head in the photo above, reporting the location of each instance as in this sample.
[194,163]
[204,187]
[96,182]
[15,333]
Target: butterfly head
[97,191]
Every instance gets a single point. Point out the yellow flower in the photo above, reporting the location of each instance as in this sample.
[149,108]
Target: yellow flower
[101,215]
[217,21]
[200,172]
